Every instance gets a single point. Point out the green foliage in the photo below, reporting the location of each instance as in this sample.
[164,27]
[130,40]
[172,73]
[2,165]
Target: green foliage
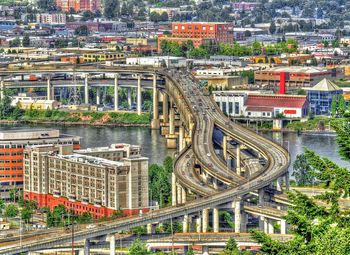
[334,106]
[302,171]
[129,118]
[11,211]
[343,139]
[26,41]
[112,11]
[232,248]
[190,251]
[2,206]
[138,248]
[14,193]
[26,214]
[227,218]
[47,5]
[82,31]
[15,42]
[160,186]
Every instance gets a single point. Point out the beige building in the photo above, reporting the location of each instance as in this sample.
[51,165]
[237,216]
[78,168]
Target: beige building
[98,180]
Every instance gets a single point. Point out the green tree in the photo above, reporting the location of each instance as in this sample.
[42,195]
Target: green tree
[341,106]
[14,194]
[2,206]
[26,41]
[343,139]
[302,171]
[15,42]
[82,31]
[231,247]
[11,211]
[26,214]
[190,251]
[111,10]
[334,106]
[138,248]
[272,28]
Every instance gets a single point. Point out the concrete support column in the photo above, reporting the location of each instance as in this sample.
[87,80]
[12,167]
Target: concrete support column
[165,108]
[205,218]
[224,146]
[98,93]
[2,88]
[139,99]
[216,220]
[244,221]
[238,159]
[279,184]
[86,89]
[270,226]
[155,120]
[238,222]
[87,247]
[287,181]
[205,250]
[198,224]
[179,195]
[111,244]
[265,225]
[283,225]
[149,228]
[181,138]
[183,196]
[49,96]
[129,98]
[261,196]
[116,94]
[185,224]
[173,189]
[171,121]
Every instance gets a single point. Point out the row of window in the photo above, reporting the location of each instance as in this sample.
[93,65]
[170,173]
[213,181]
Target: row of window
[11,161]
[11,154]
[12,168]
[12,176]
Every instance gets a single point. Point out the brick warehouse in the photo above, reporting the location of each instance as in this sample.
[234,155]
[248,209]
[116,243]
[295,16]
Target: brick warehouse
[12,144]
[95,180]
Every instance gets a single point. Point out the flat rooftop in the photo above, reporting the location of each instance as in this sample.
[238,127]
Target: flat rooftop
[18,135]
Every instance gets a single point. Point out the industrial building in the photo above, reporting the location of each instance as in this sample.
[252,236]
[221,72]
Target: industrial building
[99,181]
[12,144]
[289,78]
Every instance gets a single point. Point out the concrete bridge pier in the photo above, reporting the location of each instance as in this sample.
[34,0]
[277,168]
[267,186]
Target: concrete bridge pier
[283,225]
[238,216]
[165,124]
[198,224]
[224,146]
[173,190]
[155,121]
[171,137]
[185,224]
[149,229]
[183,195]
[139,96]
[238,159]
[129,98]
[87,247]
[205,218]
[279,184]
[215,220]
[286,176]
[116,94]
[181,138]
[111,239]
[98,95]
[2,88]
[179,193]
[86,89]
[49,89]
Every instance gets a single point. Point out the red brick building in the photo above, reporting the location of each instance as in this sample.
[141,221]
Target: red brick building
[199,33]
[220,32]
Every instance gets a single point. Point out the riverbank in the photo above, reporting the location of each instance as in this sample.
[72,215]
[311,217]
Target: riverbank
[79,118]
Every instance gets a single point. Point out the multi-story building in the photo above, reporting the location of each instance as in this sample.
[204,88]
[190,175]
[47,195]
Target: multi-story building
[220,32]
[289,78]
[321,95]
[199,33]
[98,180]
[104,56]
[244,6]
[51,18]
[12,144]
[170,11]
[79,5]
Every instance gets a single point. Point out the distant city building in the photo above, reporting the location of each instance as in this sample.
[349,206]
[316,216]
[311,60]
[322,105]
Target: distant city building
[170,11]
[51,18]
[79,5]
[12,144]
[167,61]
[98,181]
[244,6]
[294,77]
[220,32]
[104,56]
[27,101]
[320,96]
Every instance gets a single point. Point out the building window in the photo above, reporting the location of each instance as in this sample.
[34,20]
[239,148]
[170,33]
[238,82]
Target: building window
[230,107]
[224,107]
[236,108]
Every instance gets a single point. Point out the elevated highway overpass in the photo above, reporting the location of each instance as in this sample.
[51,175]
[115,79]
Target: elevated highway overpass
[199,115]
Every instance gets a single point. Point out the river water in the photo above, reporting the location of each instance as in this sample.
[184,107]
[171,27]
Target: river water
[154,145]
